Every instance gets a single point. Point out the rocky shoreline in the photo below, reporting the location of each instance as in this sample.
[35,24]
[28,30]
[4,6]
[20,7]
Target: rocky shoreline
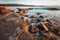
[19,26]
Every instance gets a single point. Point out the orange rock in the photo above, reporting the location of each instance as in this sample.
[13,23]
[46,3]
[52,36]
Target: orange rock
[35,30]
[1,7]
[23,11]
[5,11]
[15,15]
[32,16]
[8,17]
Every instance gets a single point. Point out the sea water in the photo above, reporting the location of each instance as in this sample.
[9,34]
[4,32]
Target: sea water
[48,13]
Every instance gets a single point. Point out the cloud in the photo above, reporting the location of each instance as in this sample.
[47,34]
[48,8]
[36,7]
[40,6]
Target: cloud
[32,2]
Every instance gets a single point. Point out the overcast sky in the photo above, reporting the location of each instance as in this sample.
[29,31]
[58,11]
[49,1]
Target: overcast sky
[32,2]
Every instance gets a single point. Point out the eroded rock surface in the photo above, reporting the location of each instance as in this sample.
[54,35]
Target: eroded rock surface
[17,26]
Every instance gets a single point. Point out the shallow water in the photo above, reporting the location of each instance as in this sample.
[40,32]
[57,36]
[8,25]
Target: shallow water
[55,14]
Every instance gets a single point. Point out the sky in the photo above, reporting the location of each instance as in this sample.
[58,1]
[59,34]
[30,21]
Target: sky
[32,2]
